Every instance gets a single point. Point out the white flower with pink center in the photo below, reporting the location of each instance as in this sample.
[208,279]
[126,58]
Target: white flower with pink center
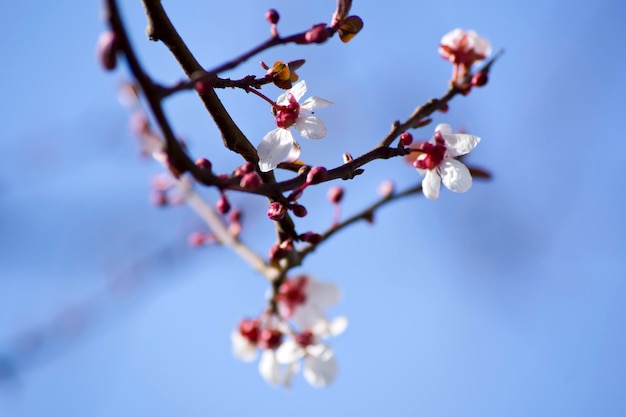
[279,144]
[463,49]
[437,161]
[320,366]
[304,299]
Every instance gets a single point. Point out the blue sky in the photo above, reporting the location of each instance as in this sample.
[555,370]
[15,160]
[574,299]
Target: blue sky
[506,300]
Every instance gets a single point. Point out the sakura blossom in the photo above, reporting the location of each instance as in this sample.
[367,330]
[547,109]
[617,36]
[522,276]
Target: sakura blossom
[463,49]
[437,161]
[320,365]
[279,144]
[303,299]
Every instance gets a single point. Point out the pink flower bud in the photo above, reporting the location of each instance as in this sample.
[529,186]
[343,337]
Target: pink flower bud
[311,237]
[204,164]
[317,34]
[305,338]
[235,216]
[250,181]
[276,211]
[222,206]
[272,16]
[479,79]
[199,238]
[386,189]
[406,139]
[335,194]
[443,108]
[298,210]
[277,253]
[107,50]
[317,175]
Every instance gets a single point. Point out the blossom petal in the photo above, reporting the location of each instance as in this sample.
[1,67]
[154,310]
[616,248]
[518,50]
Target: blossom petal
[444,128]
[294,153]
[455,176]
[268,367]
[298,90]
[325,328]
[242,348]
[310,127]
[320,368]
[313,103]
[460,143]
[324,294]
[308,315]
[289,351]
[274,147]
[478,43]
[431,185]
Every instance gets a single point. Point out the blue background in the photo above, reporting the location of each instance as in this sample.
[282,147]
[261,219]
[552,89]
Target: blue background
[506,300]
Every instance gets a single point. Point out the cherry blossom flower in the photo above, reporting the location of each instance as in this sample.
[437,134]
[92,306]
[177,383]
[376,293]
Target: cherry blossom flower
[304,299]
[437,161]
[279,143]
[463,49]
[320,366]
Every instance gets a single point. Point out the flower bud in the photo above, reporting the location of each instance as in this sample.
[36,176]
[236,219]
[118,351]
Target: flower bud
[277,253]
[386,189]
[479,79]
[335,194]
[222,206]
[311,237]
[443,107]
[298,210]
[107,50]
[250,329]
[276,211]
[250,181]
[317,34]
[317,175]
[272,16]
[406,139]
[204,164]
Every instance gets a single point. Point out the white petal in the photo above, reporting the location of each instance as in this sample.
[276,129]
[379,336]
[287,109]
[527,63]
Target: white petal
[242,348]
[310,127]
[294,153]
[431,185]
[308,315]
[460,143]
[298,90]
[268,367]
[455,176]
[452,38]
[479,44]
[289,351]
[324,328]
[321,369]
[444,128]
[324,294]
[274,147]
[313,103]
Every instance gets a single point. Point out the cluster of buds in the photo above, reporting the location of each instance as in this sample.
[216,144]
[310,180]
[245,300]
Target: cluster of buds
[293,332]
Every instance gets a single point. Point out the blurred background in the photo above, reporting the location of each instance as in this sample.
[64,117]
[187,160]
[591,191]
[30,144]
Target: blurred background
[506,300]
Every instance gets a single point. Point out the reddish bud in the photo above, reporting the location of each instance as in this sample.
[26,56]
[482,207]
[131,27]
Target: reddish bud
[139,123]
[222,206]
[317,175]
[479,79]
[204,164]
[277,253]
[272,16]
[270,338]
[199,238]
[311,237]
[159,198]
[298,210]
[250,181]
[276,211]
[244,169]
[335,194]
[386,189]
[235,216]
[317,34]
[107,48]
[443,107]
[406,139]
